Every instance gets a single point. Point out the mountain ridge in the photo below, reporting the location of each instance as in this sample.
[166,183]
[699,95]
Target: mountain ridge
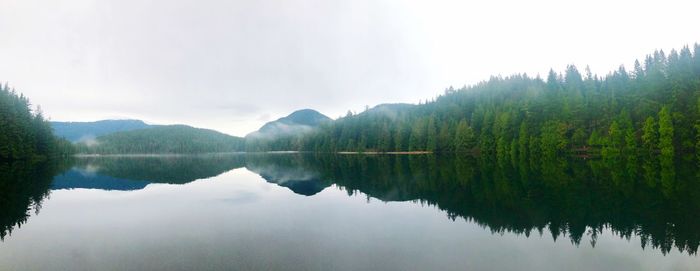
[79,131]
[163,139]
[298,122]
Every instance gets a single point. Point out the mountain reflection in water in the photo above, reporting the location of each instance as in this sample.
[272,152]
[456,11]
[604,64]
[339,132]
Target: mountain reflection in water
[657,201]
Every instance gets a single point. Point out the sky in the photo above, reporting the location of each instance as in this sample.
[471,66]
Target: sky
[234,65]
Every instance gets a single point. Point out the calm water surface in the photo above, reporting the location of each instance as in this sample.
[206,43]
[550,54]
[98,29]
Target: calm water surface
[334,212]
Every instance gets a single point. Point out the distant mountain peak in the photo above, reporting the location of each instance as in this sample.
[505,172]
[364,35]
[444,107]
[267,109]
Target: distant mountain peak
[299,121]
[306,117]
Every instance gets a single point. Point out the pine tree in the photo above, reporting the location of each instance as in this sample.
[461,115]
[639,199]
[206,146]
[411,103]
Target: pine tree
[666,132]
[416,141]
[650,136]
[630,142]
[431,141]
[523,140]
[25,134]
[385,143]
[615,136]
[445,142]
[399,139]
[552,139]
[697,125]
[464,137]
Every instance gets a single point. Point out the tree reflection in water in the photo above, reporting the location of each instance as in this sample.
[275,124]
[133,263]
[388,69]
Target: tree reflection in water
[655,198]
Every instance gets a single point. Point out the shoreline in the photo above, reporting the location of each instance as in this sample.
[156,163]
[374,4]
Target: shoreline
[92,155]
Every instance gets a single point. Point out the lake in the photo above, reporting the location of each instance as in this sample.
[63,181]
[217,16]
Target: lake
[349,212]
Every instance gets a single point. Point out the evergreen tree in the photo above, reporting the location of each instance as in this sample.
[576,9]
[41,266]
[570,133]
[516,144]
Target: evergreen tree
[464,137]
[552,139]
[650,136]
[399,139]
[385,143]
[630,142]
[416,141]
[523,140]
[24,133]
[697,126]
[614,142]
[432,135]
[666,132]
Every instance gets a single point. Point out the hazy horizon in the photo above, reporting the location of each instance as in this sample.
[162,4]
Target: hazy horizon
[232,66]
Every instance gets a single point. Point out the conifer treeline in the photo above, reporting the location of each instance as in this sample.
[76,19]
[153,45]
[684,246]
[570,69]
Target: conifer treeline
[25,134]
[171,139]
[653,108]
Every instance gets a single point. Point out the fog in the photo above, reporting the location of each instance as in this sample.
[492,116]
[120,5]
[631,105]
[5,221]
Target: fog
[233,65]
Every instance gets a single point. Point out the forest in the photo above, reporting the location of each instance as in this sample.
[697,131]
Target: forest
[653,108]
[170,139]
[25,134]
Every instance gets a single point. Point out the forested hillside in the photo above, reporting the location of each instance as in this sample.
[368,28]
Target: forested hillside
[173,139]
[84,131]
[24,133]
[303,117]
[653,108]
[297,124]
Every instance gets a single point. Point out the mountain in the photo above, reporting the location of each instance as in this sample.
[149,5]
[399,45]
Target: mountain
[85,131]
[163,139]
[299,122]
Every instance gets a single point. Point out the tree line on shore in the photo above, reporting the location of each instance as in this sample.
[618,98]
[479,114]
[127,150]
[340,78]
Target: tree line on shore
[24,133]
[654,108]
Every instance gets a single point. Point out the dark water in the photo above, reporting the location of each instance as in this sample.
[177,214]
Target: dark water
[335,212]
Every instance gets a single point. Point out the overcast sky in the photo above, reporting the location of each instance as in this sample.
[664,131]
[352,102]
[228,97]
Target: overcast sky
[233,65]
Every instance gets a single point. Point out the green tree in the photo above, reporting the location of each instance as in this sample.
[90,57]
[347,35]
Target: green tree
[615,140]
[464,137]
[552,139]
[416,141]
[399,138]
[432,135]
[385,143]
[24,133]
[666,132]
[630,142]
[697,121]
[650,135]
[523,137]
[579,137]
[445,142]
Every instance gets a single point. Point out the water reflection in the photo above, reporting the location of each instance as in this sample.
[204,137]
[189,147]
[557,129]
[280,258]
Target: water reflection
[23,188]
[655,199]
[298,173]
[159,169]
